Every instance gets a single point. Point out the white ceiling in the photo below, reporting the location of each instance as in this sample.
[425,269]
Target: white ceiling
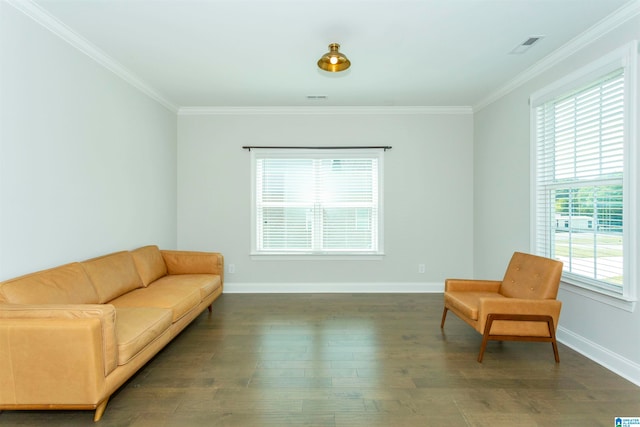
[235,53]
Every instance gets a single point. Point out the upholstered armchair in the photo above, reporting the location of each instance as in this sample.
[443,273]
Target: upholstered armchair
[521,307]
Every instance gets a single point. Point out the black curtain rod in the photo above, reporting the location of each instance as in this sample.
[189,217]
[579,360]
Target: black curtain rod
[352,147]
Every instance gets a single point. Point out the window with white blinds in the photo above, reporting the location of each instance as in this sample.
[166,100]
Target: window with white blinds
[581,179]
[317,202]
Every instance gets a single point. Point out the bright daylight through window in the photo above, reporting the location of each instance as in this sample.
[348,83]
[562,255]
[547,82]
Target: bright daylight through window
[584,213]
[317,202]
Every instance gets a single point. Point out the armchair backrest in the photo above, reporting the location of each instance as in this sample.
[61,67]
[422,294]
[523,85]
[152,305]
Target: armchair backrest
[531,277]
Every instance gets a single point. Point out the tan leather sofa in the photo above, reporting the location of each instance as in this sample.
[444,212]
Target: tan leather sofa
[71,335]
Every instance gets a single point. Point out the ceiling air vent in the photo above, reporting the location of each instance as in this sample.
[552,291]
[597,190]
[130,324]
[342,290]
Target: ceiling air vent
[526,45]
[316,97]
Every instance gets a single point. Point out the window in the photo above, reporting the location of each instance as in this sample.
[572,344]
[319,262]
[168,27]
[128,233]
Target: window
[584,211]
[317,202]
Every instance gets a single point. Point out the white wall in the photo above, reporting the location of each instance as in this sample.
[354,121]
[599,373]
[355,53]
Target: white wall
[428,193]
[87,162]
[502,202]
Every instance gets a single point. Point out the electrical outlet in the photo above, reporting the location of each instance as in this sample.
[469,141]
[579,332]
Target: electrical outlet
[421,268]
[231,268]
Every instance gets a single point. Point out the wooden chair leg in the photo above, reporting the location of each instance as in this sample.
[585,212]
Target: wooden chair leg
[482,347]
[210,308]
[552,334]
[486,336]
[555,351]
[444,316]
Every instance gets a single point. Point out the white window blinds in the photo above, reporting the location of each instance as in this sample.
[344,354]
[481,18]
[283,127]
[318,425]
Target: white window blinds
[581,176]
[317,203]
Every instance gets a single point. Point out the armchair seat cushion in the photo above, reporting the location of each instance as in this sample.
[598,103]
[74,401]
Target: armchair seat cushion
[467,303]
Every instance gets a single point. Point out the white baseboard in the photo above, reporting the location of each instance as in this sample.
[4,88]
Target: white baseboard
[326,288]
[601,355]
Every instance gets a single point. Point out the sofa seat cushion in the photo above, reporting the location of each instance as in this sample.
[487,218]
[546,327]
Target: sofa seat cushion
[137,327]
[467,303]
[67,284]
[179,300]
[205,283]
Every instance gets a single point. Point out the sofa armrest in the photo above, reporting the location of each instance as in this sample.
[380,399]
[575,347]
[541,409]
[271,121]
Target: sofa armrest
[73,329]
[501,305]
[193,262]
[465,285]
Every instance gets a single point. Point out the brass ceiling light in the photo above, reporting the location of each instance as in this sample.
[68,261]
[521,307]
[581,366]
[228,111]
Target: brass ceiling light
[334,61]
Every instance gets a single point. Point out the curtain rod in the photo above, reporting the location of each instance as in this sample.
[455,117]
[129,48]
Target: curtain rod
[352,147]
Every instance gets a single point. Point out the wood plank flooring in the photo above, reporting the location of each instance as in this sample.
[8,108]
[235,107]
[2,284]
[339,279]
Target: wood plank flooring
[343,360]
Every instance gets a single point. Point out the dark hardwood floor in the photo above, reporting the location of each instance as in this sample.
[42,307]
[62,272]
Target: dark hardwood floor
[352,360]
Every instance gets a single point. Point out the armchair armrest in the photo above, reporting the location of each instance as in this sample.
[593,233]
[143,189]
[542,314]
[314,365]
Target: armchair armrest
[540,307]
[465,285]
[193,262]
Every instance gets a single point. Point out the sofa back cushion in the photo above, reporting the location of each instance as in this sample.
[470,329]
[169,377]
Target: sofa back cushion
[531,277]
[66,284]
[149,263]
[112,275]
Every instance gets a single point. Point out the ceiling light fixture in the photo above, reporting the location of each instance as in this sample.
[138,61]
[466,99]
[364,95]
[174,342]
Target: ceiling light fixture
[334,61]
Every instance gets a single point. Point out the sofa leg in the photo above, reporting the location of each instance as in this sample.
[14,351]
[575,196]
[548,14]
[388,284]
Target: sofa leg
[444,316]
[210,308]
[100,410]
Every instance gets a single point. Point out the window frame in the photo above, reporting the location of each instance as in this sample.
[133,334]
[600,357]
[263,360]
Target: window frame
[625,57]
[317,153]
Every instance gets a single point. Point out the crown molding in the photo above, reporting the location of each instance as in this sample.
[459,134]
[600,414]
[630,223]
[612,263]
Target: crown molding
[42,17]
[305,110]
[619,17]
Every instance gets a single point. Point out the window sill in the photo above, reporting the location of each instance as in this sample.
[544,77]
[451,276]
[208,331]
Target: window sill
[316,257]
[598,295]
